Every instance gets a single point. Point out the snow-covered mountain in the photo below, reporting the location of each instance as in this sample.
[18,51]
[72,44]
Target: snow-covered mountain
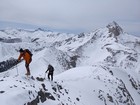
[101,67]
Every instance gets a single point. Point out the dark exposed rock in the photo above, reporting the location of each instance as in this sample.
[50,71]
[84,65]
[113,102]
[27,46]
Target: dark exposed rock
[2,92]
[128,98]
[121,96]
[77,99]
[81,35]
[34,102]
[54,88]
[131,58]
[73,60]
[43,85]
[134,83]
[40,79]
[5,65]
[66,91]
[114,29]
[33,40]
[110,98]
[14,40]
[41,97]
[101,97]
[49,96]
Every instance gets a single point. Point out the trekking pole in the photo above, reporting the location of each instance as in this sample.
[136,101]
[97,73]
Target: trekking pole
[17,69]
[45,76]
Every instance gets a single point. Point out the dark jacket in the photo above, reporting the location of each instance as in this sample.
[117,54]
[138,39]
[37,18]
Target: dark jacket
[50,69]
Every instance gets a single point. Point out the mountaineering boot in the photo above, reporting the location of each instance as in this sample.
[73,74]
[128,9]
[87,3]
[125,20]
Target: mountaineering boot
[28,73]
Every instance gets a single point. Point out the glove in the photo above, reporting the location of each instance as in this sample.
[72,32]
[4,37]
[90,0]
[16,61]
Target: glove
[17,61]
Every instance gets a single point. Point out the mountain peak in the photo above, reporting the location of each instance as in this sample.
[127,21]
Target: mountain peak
[114,28]
[41,29]
[113,24]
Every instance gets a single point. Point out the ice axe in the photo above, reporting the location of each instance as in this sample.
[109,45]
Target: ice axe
[45,75]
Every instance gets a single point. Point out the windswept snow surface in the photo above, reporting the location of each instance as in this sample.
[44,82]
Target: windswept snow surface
[97,68]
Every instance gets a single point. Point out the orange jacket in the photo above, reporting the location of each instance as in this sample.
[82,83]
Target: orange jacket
[25,56]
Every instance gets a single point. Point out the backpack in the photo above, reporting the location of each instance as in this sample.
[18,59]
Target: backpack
[51,69]
[29,52]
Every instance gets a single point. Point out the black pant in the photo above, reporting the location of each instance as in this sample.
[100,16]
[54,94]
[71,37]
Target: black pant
[50,74]
[27,65]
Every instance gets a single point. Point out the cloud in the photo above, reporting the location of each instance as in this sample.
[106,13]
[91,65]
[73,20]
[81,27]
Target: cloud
[71,14]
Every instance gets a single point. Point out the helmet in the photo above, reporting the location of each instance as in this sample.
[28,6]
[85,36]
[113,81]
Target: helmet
[21,50]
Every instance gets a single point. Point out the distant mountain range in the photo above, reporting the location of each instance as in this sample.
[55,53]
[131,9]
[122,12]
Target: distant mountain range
[101,67]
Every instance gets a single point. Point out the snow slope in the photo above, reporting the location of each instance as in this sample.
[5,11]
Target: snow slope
[97,68]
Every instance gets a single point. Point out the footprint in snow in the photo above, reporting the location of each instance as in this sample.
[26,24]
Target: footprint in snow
[1,80]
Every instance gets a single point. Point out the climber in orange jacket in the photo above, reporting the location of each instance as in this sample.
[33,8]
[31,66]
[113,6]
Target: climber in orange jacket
[27,56]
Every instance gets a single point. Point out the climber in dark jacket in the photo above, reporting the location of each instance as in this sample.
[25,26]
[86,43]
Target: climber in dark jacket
[50,71]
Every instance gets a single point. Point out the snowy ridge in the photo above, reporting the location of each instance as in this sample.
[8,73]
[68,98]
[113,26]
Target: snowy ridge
[97,68]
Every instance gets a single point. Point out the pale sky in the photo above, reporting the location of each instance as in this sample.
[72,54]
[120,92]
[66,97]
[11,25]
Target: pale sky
[72,15]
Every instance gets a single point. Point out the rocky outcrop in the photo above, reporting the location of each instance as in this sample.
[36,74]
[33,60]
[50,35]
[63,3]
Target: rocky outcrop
[114,29]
